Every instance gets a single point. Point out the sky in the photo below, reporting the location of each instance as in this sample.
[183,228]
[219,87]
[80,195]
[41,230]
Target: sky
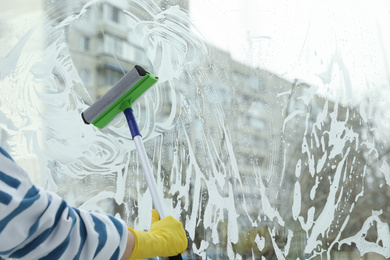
[299,39]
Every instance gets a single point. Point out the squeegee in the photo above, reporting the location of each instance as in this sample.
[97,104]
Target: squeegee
[120,99]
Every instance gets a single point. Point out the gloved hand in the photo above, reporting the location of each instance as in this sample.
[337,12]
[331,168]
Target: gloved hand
[166,237]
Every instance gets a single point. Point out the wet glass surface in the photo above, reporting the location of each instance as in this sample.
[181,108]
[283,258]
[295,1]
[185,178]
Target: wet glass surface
[267,131]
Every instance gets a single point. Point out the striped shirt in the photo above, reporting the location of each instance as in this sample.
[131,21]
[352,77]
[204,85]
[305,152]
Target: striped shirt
[36,224]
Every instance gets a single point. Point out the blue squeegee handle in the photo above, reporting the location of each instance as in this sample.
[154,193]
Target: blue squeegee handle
[135,133]
[144,161]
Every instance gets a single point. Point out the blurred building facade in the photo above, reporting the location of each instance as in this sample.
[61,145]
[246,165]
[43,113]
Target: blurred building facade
[103,45]
[103,48]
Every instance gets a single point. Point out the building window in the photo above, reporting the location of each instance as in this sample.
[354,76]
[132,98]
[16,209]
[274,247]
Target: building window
[85,76]
[85,43]
[112,76]
[114,14]
[111,45]
[109,75]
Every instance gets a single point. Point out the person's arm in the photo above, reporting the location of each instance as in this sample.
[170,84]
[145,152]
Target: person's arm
[36,224]
[129,246]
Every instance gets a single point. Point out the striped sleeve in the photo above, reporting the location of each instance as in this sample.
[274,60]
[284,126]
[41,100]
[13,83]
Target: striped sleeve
[36,224]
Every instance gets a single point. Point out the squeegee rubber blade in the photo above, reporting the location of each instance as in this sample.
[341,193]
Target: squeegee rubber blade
[112,95]
[119,97]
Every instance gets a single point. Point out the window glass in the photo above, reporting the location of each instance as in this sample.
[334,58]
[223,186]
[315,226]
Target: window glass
[114,14]
[85,43]
[85,75]
[267,131]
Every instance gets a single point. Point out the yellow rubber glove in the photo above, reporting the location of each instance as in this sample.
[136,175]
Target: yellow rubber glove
[166,237]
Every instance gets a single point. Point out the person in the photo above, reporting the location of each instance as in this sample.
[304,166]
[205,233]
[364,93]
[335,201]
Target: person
[38,224]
